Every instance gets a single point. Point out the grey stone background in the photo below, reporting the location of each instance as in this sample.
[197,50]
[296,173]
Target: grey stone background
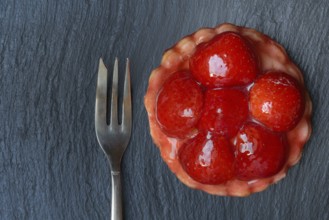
[50,164]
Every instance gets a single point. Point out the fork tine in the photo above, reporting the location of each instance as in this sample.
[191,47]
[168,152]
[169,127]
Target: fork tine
[126,105]
[114,100]
[101,95]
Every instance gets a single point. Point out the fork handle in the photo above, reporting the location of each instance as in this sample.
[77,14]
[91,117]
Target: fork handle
[116,211]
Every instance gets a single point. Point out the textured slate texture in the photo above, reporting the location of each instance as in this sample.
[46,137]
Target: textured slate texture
[50,164]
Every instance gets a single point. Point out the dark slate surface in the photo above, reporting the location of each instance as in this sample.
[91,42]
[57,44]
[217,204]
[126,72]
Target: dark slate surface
[50,164]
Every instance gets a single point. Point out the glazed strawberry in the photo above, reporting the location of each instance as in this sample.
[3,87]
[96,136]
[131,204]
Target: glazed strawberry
[276,101]
[227,60]
[259,152]
[208,158]
[179,105]
[224,111]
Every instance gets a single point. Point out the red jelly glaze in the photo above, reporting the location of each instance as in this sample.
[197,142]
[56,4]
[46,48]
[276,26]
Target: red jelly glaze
[208,158]
[179,105]
[227,60]
[224,111]
[259,152]
[277,101]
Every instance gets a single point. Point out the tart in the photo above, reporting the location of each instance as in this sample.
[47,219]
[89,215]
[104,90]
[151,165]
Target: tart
[228,110]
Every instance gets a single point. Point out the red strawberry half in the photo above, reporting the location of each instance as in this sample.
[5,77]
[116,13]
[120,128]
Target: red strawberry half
[259,152]
[224,111]
[179,105]
[226,60]
[276,100]
[208,158]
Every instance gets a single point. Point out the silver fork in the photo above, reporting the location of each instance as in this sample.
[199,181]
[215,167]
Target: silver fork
[113,138]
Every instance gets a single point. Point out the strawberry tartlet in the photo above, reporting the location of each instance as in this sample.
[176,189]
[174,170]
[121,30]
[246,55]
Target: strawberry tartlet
[228,110]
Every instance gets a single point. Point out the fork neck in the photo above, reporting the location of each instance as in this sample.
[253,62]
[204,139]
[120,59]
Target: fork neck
[115,166]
